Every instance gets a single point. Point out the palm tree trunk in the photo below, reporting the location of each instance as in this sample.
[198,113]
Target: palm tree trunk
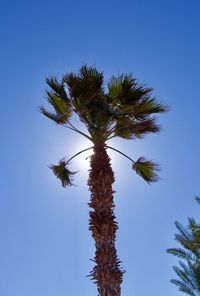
[107,273]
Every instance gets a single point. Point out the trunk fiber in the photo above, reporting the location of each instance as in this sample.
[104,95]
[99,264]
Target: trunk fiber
[106,273]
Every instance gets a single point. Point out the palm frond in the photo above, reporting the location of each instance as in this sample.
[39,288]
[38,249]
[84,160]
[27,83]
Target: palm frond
[128,128]
[181,253]
[58,99]
[60,105]
[115,87]
[149,106]
[183,288]
[50,115]
[186,274]
[74,84]
[84,86]
[63,173]
[57,87]
[91,74]
[123,128]
[59,118]
[147,169]
[140,129]
[195,230]
[184,233]
[124,89]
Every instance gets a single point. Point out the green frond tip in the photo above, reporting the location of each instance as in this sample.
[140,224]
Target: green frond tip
[63,173]
[146,169]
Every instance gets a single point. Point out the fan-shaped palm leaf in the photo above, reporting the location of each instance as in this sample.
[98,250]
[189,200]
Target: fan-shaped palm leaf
[147,107]
[129,129]
[84,86]
[124,89]
[140,129]
[58,88]
[63,173]
[146,169]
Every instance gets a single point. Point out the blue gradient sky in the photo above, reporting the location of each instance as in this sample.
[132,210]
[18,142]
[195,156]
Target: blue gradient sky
[45,243]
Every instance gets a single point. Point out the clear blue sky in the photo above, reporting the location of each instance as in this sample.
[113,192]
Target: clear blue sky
[45,243]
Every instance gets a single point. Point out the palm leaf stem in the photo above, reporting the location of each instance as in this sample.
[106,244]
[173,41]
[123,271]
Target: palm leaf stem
[111,131]
[112,137]
[120,153]
[79,153]
[76,130]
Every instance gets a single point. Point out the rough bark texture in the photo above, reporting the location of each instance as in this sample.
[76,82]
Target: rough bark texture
[107,273]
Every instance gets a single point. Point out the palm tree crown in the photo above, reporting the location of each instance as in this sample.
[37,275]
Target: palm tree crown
[124,109]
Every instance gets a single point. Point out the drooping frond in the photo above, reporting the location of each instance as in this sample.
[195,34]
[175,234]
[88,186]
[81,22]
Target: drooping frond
[147,169]
[50,115]
[58,99]
[63,173]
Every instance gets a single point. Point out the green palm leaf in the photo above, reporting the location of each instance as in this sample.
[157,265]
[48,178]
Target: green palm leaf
[124,89]
[50,115]
[183,288]
[146,169]
[147,107]
[63,173]
[181,253]
[57,87]
[124,128]
[59,105]
[185,235]
[91,75]
[84,86]
[59,101]
[141,128]
[128,128]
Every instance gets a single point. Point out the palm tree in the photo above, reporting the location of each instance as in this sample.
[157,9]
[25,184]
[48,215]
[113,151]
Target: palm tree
[124,109]
[189,272]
